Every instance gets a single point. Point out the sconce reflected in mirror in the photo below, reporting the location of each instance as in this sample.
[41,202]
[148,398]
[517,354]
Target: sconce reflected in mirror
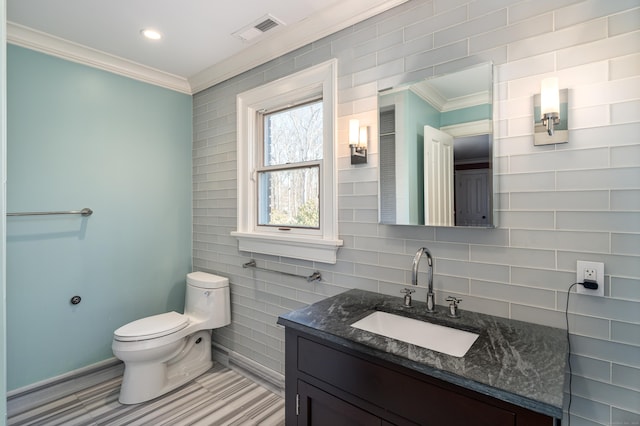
[550,103]
[550,114]
[358,139]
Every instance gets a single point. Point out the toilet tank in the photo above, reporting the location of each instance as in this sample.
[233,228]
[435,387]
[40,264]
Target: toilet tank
[207,299]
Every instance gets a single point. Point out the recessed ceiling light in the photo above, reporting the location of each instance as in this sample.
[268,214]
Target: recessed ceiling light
[151,34]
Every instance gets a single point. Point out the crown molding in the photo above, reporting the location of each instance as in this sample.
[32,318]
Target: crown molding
[322,24]
[480,127]
[29,38]
[442,104]
[431,96]
[468,101]
[332,19]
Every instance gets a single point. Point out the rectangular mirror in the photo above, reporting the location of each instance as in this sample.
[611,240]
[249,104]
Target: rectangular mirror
[436,158]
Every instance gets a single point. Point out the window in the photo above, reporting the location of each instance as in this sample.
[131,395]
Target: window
[289,178]
[286,167]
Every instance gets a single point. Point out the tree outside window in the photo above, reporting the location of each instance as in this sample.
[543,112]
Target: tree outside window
[289,180]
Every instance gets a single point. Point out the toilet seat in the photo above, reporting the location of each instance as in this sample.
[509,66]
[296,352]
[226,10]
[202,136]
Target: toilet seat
[151,327]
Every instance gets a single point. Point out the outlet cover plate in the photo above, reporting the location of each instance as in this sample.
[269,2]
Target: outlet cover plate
[599,268]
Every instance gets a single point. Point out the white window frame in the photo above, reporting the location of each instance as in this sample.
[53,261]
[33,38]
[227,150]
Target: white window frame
[319,80]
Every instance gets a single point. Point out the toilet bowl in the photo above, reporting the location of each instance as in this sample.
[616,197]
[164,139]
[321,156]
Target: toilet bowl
[164,351]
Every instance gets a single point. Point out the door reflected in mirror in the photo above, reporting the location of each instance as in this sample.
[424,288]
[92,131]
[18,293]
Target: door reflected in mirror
[436,157]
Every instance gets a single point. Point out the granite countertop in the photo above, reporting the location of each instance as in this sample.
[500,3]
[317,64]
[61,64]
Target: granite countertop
[514,361]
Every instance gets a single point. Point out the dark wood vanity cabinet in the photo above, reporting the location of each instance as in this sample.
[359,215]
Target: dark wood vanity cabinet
[317,407]
[329,385]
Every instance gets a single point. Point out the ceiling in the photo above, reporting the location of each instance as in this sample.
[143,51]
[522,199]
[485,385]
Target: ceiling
[198,47]
[461,89]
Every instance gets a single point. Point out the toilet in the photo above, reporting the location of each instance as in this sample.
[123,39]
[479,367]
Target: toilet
[164,351]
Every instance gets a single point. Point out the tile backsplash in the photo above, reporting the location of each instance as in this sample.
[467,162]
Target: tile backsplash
[557,204]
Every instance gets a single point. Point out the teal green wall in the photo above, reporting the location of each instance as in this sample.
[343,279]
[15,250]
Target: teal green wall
[563,115]
[466,115]
[81,137]
[419,113]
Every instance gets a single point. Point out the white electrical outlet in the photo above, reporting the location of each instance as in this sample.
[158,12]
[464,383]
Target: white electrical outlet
[593,271]
[590,274]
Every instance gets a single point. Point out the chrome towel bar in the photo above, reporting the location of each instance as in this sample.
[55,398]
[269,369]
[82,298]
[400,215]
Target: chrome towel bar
[310,278]
[84,212]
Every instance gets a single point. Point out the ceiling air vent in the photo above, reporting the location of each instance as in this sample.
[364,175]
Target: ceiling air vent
[258,28]
[266,25]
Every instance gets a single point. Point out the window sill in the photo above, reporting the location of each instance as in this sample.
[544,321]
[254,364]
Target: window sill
[313,249]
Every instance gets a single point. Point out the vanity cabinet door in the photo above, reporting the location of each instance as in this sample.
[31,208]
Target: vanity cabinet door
[417,399]
[337,386]
[319,408]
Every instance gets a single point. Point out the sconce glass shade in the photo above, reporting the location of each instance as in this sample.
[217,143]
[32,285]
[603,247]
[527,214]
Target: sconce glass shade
[550,97]
[364,137]
[354,132]
[358,137]
[551,113]
[550,103]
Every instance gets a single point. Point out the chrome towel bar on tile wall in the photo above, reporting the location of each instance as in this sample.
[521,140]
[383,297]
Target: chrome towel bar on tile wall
[310,278]
[84,212]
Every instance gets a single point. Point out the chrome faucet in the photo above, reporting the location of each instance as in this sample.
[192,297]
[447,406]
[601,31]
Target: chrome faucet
[431,305]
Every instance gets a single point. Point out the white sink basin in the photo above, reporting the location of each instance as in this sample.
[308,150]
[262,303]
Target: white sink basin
[430,336]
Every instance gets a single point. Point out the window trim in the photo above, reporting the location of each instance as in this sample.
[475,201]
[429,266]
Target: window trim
[318,80]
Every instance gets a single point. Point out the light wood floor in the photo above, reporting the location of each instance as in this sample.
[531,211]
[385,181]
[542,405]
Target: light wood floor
[218,397]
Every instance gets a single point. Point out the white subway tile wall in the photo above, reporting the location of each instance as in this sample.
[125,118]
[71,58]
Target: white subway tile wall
[557,204]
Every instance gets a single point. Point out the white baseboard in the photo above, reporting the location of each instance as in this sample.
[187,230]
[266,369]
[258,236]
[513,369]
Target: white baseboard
[265,376]
[21,399]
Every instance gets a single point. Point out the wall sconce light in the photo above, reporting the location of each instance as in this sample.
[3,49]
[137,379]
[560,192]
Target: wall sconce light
[358,138]
[550,103]
[550,110]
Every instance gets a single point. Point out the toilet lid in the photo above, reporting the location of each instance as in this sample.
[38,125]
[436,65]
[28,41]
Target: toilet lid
[152,327]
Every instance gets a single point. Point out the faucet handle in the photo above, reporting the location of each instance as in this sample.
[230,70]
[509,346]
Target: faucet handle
[407,296]
[453,306]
